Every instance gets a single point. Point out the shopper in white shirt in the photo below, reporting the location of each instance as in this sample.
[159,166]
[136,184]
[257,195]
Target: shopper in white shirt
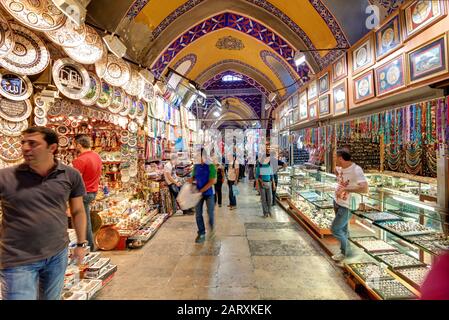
[172,181]
[350,178]
[233,179]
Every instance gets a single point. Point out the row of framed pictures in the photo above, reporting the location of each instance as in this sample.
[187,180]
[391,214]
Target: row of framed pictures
[422,63]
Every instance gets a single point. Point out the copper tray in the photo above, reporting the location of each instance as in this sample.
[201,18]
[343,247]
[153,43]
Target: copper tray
[107,238]
[96,220]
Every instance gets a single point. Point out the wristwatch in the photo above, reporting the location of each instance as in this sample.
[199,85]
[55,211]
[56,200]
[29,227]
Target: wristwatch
[82,244]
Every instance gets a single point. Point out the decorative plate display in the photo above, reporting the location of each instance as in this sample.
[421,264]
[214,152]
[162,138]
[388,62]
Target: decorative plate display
[13,128]
[364,87]
[388,37]
[10,148]
[124,140]
[339,69]
[127,105]
[40,15]
[147,92]
[132,142]
[63,141]
[134,86]
[420,14]
[133,109]
[141,109]
[66,108]
[90,51]
[6,37]
[14,86]
[77,111]
[41,122]
[132,127]
[62,130]
[38,101]
[390,76]
[117,72]
[323,83]
[15,110]
[102,64]
[429,60]
[94,92]
[55,109]
[71,78]
[118,100]
[29,55]
[69,35]
[105,96]
[40,112]
[363,56]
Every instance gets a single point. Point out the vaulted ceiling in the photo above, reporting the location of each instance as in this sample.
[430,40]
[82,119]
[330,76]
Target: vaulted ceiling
[253,39]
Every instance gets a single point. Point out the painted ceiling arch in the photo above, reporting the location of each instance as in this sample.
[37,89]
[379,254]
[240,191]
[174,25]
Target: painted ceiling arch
[248,80]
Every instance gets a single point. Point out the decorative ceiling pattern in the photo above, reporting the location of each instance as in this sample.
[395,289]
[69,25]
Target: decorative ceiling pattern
[217,83]
[229,43]
[236,22]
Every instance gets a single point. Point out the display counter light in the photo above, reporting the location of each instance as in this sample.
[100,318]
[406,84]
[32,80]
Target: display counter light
[413,203]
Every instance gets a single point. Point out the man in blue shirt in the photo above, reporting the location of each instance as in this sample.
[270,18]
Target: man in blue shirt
[205,176]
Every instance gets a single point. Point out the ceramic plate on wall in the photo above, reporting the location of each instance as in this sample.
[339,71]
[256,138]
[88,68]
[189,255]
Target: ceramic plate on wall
[134,86]
[10,148]
[15,110]
[71,78]
[118,100]
[40,15]
[69,35]
[90,51]
[147,92]
[29,55]
[94,90]
[41,122]
[117,72]
[105,96]
[14,86]
[12,128]
[126,106]
[6,37]
[102,64]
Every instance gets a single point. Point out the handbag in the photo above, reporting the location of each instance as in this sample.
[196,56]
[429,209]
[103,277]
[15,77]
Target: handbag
[235,190]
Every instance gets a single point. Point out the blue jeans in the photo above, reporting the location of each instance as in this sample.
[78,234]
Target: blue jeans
[232,199]
[87,200]
[340,229]
[210,204]
[41,280]
[265,196]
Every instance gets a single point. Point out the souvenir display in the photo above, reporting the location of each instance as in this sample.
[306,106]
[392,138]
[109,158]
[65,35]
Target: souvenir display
[6,36]
[420,14]
[13,128]
[313,110]
[399,260]
[428,60]
[118,100]
[40,15]
[405,228]
[372,244]
[392,290]
[134,87]
[117,71]
[15,110]
[390,76]
[14,86]
[380,216]
[147,92]
[141,110]
[10,148]
[370,271]
[339,69]
[94,92]
[416,275]
[29,55]
[364,87]
[41,122]
[303,112]
[63,141]
[388,37]
[71,78]
[127,106]
[55,108]
[340,101]
[69,35]
[312,90]
[324,106]
[132,127]
[324,83]
[40,112]
[435,243]
[90,51]
[363,56]
[105,99]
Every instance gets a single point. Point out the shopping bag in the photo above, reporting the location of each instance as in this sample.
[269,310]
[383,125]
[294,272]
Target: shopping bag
[235,190]
[188,197]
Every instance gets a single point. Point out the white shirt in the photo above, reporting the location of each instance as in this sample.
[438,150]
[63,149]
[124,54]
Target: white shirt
[349,177]
[232,171]
[168,168]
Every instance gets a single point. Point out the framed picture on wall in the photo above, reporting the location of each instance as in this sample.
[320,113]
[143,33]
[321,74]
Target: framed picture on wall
[303,112]
[324,83]
[340,98]
[363,55]
[390,77]
[339,68]
[313,110]
[364,87]
[429,60]
[388,37]
[324,105]
[420,14]
[312,90]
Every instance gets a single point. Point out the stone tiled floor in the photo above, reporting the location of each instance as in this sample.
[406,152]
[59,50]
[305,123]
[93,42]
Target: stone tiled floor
[251,258]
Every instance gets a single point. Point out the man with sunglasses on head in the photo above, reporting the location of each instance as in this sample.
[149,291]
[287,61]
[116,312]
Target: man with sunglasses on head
[33,234]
